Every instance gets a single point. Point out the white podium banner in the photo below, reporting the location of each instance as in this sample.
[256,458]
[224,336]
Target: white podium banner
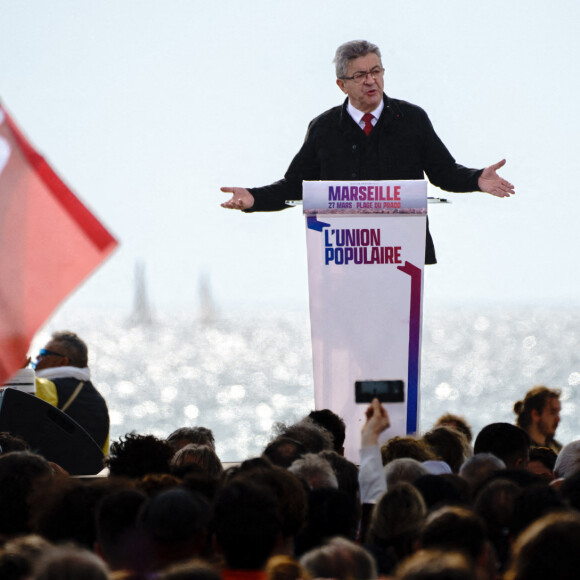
[366,252]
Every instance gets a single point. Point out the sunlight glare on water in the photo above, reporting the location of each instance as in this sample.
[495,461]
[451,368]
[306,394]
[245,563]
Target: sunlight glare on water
[240,375]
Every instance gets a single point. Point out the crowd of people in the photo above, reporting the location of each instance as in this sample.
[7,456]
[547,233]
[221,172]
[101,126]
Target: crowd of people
[439,505]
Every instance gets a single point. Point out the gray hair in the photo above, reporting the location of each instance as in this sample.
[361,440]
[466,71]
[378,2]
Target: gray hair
[568,461]
[341,559]
[74,348]
[479,467]
[350,50]
[404,469]
[315,471]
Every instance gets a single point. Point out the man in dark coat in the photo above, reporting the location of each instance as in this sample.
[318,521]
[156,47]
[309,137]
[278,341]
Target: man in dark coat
[63,379]
[370,137]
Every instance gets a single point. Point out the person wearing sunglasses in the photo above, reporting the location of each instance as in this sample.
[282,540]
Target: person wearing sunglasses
[64,380]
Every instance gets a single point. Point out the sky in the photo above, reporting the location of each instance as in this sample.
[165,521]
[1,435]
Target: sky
[145,108]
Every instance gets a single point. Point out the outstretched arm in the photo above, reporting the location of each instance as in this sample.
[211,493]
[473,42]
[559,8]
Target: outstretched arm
[490,182]
[241,198]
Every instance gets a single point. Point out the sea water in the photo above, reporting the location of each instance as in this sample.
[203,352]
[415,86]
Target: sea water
[240,374]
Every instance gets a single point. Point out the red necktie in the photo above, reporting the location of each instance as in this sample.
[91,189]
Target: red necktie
[367,117]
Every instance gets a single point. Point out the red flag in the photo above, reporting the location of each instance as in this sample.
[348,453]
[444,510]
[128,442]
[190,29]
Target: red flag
[49,243]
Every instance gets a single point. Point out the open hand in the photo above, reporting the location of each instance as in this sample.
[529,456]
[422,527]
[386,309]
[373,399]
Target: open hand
[241,198]
[490,182]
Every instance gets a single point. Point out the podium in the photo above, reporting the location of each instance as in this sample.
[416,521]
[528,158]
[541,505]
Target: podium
[366,253]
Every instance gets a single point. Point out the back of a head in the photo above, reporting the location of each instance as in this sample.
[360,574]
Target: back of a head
[330,513]
[315,471]
[508,442]
[332,423]
[116,526]
[185,435]
[70,562]
[533,502]
[191,570]
[18,556]
[404,469]
[73,347]
[568,460]
[449,445]
[457,422]
[310,434]
[346,473]
[454,528]
[289,492]
[283,451]
[406,446]
[477,469]
[138,455]
[435,565]
[549,548]
[19,472]
[438,490]
[340,559]
[400,511]
[194,457]
[176,521]
[246,524]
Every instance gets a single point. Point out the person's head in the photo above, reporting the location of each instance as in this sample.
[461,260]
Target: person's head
[330,513]
[185,435]
[191,570]
[457,422]
[404,469]
[118,540]
[288,490]
[539,411]
[508,442]
[196,457]
[532,502]
[495,504]
[310,434]
[449,445]
[360,74]
[346,473]
[70,562]
[20,471]
[285,568]
[138,455]
[64,509]
[568,460]
[479,468]
[176,523]
[435,565]
[340,559]
[64,348]
[454,528]
[9,442]
[542,462]
[397,518]
[406,446]
[315,471]
[19,556]
[283,451]
[246,524]
[332,423]
[549,548]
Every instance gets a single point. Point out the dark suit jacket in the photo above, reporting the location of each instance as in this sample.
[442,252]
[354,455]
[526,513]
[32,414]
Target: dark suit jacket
[402,145]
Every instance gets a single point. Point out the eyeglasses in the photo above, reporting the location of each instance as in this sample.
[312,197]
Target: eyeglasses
[358,77]
[44,352]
